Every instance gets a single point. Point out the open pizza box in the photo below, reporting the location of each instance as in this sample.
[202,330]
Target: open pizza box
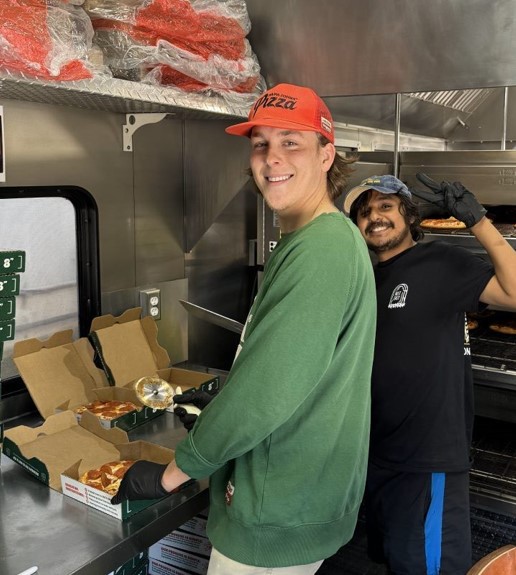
[61,375]
[128,349]
[60,450]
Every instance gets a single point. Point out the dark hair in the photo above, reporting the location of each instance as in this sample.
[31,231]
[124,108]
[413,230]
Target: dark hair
[408,209]
[337,175]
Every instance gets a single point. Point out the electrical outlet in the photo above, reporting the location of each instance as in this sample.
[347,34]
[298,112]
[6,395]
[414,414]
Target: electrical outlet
[150,302]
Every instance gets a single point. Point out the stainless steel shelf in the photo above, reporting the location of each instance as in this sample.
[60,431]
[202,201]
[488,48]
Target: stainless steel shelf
[40,526]
[114,95]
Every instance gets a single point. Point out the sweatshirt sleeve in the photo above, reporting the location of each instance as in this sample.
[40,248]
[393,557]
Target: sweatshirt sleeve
[290,337]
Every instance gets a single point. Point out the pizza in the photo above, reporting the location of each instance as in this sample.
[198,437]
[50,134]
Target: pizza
[107,477]
[107,409]
[450,223]
[507,326]
[472,324]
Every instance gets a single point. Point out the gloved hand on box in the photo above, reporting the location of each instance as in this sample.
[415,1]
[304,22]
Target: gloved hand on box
[197,398]
[454,198]
[141,481]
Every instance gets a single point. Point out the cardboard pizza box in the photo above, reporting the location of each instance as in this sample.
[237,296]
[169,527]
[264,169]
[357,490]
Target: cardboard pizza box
[127,348]
[187,379]
[135,450]
[60,450]
[46,451]
[60,374]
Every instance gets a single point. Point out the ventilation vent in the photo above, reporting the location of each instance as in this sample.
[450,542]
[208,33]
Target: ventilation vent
[461,100]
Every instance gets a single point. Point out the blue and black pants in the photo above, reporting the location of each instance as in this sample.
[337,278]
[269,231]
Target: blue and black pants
[419,523]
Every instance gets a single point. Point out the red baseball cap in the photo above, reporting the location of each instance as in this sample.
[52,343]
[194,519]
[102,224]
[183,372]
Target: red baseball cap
[291,107]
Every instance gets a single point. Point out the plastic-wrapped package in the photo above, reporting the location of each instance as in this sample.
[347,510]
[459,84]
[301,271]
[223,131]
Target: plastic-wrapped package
[194,45]
[47,39]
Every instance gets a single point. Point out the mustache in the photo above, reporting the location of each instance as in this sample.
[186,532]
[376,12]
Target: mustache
[377,223]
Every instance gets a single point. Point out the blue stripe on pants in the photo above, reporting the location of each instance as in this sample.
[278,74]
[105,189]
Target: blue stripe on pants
[434,525]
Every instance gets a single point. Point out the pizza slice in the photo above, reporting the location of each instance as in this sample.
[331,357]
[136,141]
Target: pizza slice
[450,223]
[108,476]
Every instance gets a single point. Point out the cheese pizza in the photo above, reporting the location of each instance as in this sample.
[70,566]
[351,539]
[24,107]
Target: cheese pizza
[107,477]
[472,324]
[107,409]
[450,223]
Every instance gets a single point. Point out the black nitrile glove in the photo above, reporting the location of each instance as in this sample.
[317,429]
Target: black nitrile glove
[141,481]
[196,397]
[454,198]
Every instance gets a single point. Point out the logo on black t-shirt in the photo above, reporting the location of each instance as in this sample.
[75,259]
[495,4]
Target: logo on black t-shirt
[398,296]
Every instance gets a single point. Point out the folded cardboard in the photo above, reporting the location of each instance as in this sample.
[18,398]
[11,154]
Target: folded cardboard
[60,374]
[187,379]
[178,558]
[62,449]
[127,346]
[128,349]
[46,451]
[100,500]
[187,542]
[157,567]
[196,525]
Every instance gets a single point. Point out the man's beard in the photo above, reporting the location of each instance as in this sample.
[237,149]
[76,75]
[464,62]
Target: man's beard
[389,244]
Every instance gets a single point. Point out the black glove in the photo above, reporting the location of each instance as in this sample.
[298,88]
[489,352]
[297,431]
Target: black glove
[141,481]
[454,198]
[196,397]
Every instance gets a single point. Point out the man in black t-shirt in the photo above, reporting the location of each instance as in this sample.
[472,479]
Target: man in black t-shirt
[417,493]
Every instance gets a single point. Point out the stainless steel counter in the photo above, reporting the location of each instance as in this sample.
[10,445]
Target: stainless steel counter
[41,527]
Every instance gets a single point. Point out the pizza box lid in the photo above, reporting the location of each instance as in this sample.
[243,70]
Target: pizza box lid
[127,346]
[59,373]
[60,442]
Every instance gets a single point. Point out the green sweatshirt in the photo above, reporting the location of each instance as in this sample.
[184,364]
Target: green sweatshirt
[286,439]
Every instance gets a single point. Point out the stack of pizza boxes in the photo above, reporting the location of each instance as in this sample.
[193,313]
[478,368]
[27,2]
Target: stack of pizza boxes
[184,551]
[12,263]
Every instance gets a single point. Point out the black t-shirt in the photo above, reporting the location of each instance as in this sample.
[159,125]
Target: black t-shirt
[422,391]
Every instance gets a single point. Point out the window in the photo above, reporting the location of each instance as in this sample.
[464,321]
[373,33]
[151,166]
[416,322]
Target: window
[59,289]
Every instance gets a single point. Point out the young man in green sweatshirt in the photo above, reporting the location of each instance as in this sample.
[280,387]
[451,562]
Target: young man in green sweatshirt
[285,441]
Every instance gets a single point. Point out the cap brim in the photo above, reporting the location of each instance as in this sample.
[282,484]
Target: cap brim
[245,128]
[354,193]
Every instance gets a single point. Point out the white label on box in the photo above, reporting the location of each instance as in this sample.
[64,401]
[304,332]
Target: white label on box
[158,568]
[92,497]
[179,558]
[187,542]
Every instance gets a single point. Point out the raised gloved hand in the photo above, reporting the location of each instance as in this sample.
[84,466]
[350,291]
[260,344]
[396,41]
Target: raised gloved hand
[195,397]
[141,481]
[454,198]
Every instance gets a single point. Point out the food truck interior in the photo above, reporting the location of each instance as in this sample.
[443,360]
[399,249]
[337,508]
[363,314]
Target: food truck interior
[119,191]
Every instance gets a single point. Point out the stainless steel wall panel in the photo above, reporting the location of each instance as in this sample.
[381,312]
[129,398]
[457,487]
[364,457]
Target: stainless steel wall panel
[214,173]
[158,202]
[221,280]
[346,47]
[173,325]
[490,174]
[54,145]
